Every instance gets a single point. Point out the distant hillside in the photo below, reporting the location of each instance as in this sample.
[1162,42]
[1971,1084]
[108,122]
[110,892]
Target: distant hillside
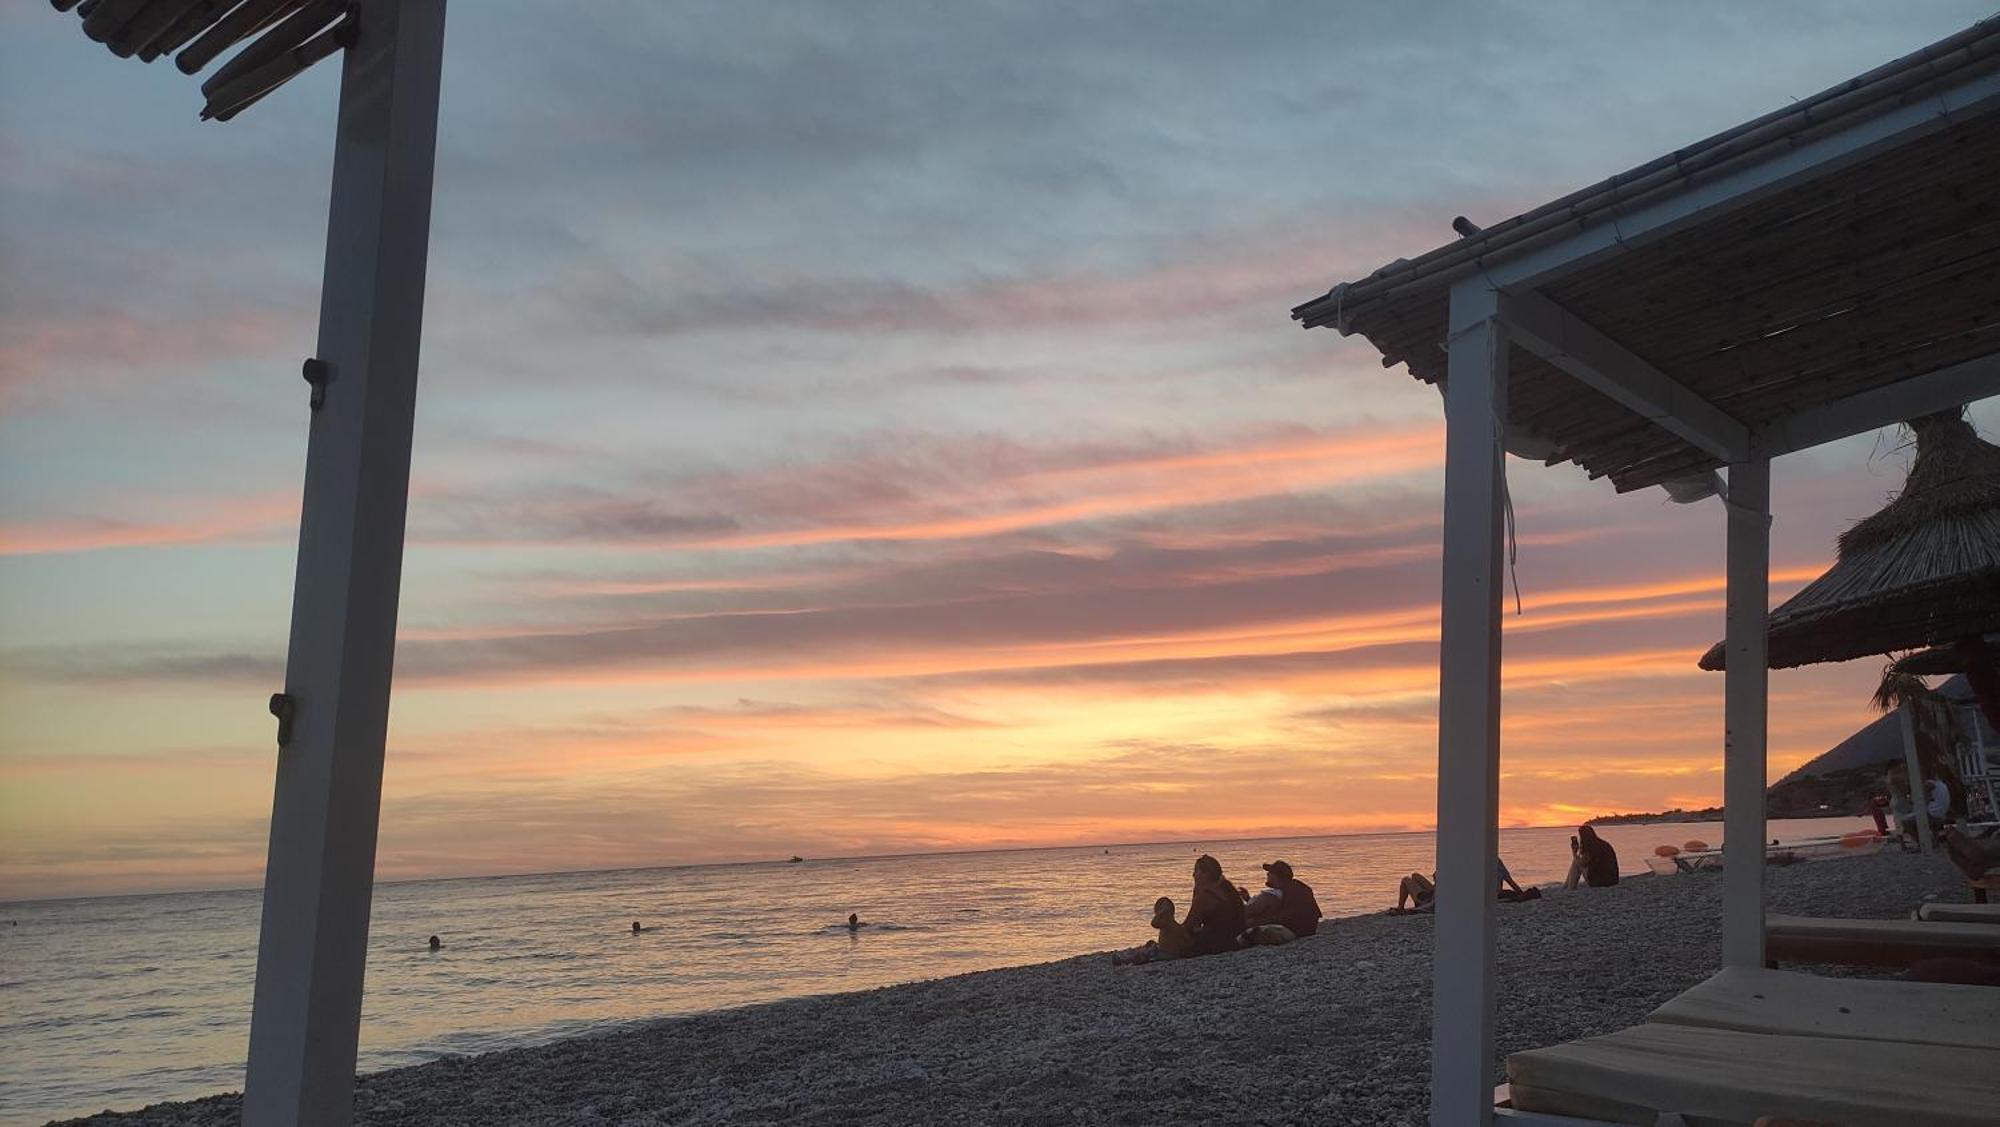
[1879,743]
[1838,782]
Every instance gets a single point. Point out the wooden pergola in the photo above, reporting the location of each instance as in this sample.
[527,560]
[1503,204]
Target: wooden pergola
[1822,271]
[333,714]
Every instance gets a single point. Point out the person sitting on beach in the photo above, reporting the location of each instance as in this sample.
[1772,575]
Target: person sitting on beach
[1510,890]
[1593,860]
[1285,901]
[1418,891]
[1215,917]
[1174,941]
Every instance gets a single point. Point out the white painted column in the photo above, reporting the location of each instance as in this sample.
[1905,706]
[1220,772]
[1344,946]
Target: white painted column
[1745,713]
[319,877]
[1462,1046]
[1919,795]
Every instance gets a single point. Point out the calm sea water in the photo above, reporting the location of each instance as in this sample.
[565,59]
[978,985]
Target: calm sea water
[123,1001]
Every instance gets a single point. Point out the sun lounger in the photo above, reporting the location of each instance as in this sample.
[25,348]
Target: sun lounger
[1806,1005]
[1960,913]
[1722,1076]
[1875,943]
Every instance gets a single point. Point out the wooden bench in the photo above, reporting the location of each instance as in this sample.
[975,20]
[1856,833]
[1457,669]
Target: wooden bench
[1714,1077]
[1875,943]
[1960,913]
[1866,1009]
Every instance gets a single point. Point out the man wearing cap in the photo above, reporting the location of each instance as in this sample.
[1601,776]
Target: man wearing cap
[1285,900]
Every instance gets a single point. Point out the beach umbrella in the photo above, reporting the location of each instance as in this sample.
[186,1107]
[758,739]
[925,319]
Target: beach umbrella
[1924,571]
[1937,661]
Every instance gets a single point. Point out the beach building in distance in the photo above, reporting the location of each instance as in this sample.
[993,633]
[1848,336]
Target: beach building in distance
[1827,269]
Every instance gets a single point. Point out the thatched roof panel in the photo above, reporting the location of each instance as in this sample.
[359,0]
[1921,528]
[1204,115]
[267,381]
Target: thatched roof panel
[1835,286]
[1924,570]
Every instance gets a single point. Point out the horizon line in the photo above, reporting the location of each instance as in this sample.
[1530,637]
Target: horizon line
[786,861]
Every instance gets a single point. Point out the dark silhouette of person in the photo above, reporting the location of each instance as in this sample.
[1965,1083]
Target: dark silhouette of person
[1215,916]
[1596,863]
[1286,901]
[436,943]
[853,921]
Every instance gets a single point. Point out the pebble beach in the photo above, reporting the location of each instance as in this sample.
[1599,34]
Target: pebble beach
[1331,1029]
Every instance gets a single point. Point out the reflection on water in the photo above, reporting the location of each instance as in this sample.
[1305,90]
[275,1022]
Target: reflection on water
[118,1002]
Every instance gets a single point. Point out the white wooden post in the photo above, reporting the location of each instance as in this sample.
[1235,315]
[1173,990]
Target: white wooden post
[1468,835]
[319,876]
[1745,713]
[1919,795]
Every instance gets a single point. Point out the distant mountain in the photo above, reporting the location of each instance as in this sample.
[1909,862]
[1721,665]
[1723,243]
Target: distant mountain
[1839,782]
[1880,742]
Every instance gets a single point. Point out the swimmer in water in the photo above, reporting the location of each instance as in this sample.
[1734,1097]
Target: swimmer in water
[853,921]
[636,929]
[436,943]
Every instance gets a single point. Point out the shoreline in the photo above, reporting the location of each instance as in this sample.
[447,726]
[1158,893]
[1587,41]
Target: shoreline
[1336,1025]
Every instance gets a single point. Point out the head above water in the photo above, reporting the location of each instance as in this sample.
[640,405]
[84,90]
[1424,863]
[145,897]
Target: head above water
[853,919]
[436,943]
[635,927]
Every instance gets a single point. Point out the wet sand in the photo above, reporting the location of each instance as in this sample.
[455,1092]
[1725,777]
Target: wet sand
[1330,1029]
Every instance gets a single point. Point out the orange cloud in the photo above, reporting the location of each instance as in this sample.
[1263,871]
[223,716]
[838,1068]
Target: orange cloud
[236,518]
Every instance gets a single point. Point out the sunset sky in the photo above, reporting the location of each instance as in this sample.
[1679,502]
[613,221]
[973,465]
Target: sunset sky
[855,428]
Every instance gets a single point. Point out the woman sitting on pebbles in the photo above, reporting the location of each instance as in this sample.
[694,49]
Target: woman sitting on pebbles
[1215,918]
[1593,861]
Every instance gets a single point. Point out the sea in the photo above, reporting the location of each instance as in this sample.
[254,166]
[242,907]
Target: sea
[123,1001]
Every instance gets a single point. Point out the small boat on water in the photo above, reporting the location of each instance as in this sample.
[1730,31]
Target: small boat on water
[1670,859]
[795,860]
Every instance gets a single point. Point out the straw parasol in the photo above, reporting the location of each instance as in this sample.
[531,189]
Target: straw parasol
[1923,571]
[1937,661]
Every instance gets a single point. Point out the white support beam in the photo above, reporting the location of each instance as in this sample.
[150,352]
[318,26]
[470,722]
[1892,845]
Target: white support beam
[1468,811]
[319,876]
[1745,713]
[1966,382]
[1567,341]
[1601,237]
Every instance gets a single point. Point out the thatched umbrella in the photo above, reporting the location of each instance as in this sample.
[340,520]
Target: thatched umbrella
[1938,661]
[1923,571]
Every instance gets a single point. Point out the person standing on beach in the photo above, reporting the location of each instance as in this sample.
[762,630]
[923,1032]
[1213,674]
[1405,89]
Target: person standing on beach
[1594,860]
[1215,916]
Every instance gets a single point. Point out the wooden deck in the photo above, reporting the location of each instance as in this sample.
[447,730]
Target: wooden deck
[1876,943]
[1860,1009]
[1716,1077]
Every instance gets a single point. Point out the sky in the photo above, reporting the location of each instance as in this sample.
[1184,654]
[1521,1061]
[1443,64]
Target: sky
[857,428]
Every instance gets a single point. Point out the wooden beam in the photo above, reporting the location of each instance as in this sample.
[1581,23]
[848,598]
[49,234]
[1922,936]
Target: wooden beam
[319,877]
[1468,809]
[1940,390]
[1745,713]
[1572,344]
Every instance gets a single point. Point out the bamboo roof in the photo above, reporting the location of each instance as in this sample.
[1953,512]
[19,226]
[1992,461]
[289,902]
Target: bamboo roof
[1924,570]
[1937,661]
[287,37]
[1841,284]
